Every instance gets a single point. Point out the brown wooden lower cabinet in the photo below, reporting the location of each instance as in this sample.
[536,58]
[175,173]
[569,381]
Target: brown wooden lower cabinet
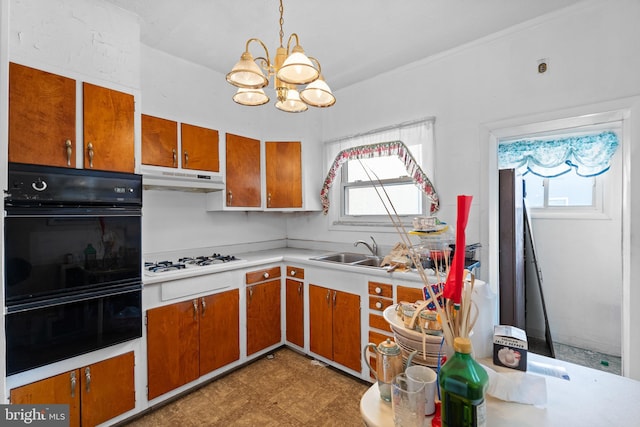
[295,312]
[188,339]
[334,326]
[95,393]
[263,315]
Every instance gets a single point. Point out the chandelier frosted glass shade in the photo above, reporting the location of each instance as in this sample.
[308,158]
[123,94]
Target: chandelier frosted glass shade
[247,74]
[290,70]
[292,104]
[318,94]
[250,97]
[297,68]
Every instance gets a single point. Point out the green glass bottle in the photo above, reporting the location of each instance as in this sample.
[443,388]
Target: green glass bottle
[463,383]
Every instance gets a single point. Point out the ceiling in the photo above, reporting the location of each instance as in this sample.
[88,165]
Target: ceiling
[353,39]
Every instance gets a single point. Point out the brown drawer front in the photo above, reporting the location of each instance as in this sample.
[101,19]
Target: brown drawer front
[262,275]
[295,272]
[380,304]
[377,337]
[381,289]
[409,294]
[378,322]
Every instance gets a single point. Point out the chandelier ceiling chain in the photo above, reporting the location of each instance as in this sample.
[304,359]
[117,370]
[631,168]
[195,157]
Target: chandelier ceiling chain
[292,68]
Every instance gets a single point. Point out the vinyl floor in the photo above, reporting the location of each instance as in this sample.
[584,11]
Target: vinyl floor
[288,389]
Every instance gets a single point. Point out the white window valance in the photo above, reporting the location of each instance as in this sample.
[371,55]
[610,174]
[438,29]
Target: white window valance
[588,155]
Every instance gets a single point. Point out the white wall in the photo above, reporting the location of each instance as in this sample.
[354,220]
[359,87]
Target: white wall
[77,38]
[178,90]
[593,57]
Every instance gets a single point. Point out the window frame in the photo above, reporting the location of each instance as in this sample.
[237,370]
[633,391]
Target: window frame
[595,210]
[338,221]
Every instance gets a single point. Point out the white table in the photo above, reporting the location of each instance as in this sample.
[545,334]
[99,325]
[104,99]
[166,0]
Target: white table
[590,398]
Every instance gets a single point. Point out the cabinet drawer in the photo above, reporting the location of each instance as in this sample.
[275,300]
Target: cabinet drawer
[409,294]
[295,272]
[381,289]
[378,322]
[376,303]
[262,275]
[377,337]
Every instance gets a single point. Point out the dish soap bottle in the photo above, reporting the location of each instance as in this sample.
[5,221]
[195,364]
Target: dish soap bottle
[463,383]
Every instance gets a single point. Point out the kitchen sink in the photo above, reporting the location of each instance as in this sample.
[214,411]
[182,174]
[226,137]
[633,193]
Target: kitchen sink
[351,258]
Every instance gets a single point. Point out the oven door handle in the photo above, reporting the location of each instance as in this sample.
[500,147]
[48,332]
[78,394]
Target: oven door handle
[76,297]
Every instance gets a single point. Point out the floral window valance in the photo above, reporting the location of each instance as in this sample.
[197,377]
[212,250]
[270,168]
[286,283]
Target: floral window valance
[396,148]
[589,155]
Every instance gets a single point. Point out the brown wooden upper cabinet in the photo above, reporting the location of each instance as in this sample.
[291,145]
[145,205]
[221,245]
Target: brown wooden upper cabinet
[108,129]
[42,117]
[42,122]
[242,171]
[199,145]
[159,142]
[199,148]
[284,174]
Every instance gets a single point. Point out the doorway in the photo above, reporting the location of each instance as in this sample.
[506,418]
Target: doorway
[578,290]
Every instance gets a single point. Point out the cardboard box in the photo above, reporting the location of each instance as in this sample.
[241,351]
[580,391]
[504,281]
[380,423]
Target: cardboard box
[510,347]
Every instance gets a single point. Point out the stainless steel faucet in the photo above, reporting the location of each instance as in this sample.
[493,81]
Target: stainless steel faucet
[373,248]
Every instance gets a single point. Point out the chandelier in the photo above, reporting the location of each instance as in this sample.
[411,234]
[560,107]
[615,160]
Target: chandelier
[292,68]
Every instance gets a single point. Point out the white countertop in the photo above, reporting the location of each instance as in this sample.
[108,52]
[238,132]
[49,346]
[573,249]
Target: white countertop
[268,256]
[590,398]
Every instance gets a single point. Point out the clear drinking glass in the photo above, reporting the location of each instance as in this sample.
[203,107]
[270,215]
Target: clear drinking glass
[407,402]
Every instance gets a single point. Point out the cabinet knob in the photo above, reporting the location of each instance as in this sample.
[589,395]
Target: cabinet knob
[204,305]
[265,275]
[186,159]
[175,158]
[378,290]
[195,309]
[269,200]
[292,273]
[229,198]
[378,305]
[67,145]
[90,153]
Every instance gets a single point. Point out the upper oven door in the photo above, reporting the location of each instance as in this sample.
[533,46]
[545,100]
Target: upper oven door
[57,252]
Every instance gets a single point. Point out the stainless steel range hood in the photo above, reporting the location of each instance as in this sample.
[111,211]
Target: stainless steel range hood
[180,180]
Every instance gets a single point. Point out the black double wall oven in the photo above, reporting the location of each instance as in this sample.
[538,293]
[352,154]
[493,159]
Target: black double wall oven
[72,263]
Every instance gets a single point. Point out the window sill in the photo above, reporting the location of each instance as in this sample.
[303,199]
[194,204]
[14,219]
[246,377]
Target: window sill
[569,214]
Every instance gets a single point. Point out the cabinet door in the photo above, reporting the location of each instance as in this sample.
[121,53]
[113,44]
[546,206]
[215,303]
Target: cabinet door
[346,330]
[294,313]
[219,330]
[263,316]
[284,174]
[243,171]
[159,142]
[42,117]
[199,148]
[60,389]
[172,346]
[108,129]
[320,321]
[108,389]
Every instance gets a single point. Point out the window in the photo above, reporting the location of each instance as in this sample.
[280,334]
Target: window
[378,157]
[564,191]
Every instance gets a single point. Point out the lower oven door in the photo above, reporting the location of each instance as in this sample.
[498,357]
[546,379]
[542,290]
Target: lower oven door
[58,329]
